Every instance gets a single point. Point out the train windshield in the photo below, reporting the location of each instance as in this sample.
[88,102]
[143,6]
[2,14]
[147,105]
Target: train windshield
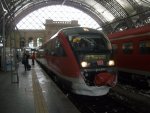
[89,43]
[91,50]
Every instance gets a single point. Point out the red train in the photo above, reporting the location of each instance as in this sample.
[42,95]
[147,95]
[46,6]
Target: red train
[132,54]
[81,59]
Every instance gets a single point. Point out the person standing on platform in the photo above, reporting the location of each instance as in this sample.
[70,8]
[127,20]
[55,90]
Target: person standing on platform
[25,61]
[33,58]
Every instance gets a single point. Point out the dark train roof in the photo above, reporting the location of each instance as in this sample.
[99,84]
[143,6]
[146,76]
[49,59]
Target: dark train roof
[76,30]
[126,13]
[130,32]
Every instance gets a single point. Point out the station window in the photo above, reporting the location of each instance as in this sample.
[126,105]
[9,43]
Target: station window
[127,48]
[144,47]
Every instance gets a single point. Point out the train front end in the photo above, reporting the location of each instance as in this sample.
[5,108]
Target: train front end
[93,52]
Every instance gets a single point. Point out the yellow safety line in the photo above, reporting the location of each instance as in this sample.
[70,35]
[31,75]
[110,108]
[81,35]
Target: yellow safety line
[39,101]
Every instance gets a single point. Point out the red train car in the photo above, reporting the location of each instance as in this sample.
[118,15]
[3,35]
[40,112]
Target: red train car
[81,60]
[132,53]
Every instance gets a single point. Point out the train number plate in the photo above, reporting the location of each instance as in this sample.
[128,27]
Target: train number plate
[100,62]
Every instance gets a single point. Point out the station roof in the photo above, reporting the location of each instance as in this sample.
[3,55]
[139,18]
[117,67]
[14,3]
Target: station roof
[124,13]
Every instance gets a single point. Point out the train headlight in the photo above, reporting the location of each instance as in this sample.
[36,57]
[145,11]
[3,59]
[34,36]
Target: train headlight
[111,63]
[84,64]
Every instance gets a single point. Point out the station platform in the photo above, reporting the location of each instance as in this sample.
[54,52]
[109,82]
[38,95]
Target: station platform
[34,93]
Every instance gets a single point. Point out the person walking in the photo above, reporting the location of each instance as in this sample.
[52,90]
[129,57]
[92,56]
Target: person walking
[33,58]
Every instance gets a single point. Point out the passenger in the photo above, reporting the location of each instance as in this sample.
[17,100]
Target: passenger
[33,58]
[75,43]
[83,45]
[25,61]
[17,57]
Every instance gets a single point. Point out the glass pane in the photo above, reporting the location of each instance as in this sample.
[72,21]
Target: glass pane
[127,48]
[144,47]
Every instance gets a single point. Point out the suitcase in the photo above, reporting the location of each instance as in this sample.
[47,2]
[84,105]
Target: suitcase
[28,66]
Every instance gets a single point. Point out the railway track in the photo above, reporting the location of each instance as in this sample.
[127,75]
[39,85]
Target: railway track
[120,99]
[103,104]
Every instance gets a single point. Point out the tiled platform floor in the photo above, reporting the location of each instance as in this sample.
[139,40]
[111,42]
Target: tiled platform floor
[35,93]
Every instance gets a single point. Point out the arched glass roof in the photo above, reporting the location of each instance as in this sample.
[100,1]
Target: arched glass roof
[36,19]
[121,13]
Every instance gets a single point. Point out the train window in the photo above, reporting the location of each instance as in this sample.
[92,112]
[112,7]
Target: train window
[114,47]
[144,47]
[127,47]
[49,48]
[40,53]
[45,49]
[59,50]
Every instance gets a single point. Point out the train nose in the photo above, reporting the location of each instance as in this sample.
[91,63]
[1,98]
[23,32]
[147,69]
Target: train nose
[105,78]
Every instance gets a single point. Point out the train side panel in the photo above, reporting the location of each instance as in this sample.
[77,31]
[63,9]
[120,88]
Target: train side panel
[66,64]
[133,60]
[132,54]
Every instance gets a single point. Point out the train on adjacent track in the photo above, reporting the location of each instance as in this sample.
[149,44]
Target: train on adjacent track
[132,55]
[81,60]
